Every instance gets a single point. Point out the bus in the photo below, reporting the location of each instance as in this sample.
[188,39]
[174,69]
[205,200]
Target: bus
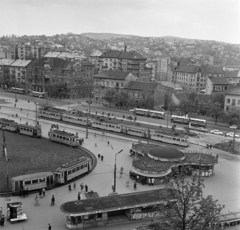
[198,122]
[18,90]
[38,94]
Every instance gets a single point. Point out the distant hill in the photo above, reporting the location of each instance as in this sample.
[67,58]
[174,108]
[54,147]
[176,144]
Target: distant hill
[101,36]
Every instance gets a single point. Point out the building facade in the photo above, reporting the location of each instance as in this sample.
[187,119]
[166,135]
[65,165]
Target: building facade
[127,61]
[5,72]
[109,79]
[232,99]
[46,73]
[216,85]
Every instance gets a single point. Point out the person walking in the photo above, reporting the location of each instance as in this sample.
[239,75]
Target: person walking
[108,142]
[40,193]
[74,185]
[2,220]
[43,191]
[102,158]
[82,187]
[135,185]
[153,181]
[52,201]
[127,183]
[99,155]
[69,187]
[26,192]
[20,192]
[86,188]
[36,201]
[79,196]
[49,227]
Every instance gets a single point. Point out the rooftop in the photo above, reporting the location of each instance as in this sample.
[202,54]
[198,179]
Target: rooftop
[211,70]
[188,68]
[233,90]
[219,80]
[110,203]
[141,86]
[231,73]
[6,61]
[20,63]
[166,152]
[110,74]
[122,55]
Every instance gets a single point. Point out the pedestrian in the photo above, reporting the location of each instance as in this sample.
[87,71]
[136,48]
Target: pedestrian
[102,158]
[79,196]
[153,180]
[23,193]
[149,181]
[108,142]
[26,192]
[82,187]
[86,188]
[120,173]
[99,155]
[36,201]
[69,187]
[95,134]
[82,140]
[74,185]
[137,178]
[40,193]
[2,220]
[43,191]
[20,192]
[135,185]
[127,183]
[52,200]
[49,227]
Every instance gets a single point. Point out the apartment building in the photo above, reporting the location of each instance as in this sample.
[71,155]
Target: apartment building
[189,78]
[128,61]
[5,71]
[18,70]
[45,73]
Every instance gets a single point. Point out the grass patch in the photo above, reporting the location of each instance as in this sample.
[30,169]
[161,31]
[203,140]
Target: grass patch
[31,155]
[228,147]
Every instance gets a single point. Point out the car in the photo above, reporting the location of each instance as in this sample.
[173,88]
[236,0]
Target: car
[231,134]
[215,131]
[233,127]
[201,129]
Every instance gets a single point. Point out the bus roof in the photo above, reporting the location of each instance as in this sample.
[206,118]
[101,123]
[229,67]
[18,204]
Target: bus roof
[7,120]
[30,126]
[31,176]
[116,202]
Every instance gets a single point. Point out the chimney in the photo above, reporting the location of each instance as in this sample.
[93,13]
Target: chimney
[125,48]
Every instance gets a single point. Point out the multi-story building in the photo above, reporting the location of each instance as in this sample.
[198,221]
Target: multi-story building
[129,61]
[189,78]
[212,71]
[5,52]
[18,72]
[110,79]
[5,71]
[164,68]
[46,73]
[94,58]
[232,76]
[216,85]
[232,99]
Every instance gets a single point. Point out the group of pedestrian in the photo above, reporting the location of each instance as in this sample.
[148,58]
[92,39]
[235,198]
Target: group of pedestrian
[54,126]
[81,141]
[100,156]
[2,220]
[151,181]
[42,192]
[23,192]
[82,187]
[209,146]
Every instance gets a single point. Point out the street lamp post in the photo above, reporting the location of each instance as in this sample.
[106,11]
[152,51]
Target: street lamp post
[234,133]
[115,171]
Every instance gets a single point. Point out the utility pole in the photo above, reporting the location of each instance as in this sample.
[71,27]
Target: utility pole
[234,132]
[115,171]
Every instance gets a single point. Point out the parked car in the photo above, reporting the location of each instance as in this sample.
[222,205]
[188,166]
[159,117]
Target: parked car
[201,129]
[217,132]
[233,127]
[231,134]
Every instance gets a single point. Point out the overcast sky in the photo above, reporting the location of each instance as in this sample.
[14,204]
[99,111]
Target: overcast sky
[201,19]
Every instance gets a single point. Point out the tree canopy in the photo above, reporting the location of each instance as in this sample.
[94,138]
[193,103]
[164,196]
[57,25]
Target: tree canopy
[110,96]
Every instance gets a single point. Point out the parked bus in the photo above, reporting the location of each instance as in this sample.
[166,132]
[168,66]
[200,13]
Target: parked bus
[18,90]
[38,94]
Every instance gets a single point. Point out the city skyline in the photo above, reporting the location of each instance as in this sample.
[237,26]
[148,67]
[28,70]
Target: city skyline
[217,20]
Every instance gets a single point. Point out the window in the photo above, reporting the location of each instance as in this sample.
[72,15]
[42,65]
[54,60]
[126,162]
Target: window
[27,182]
[35,181]
[228,101]
[42,180]
[233,101]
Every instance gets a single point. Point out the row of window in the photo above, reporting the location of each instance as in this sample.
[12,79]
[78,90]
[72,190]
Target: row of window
[234,101]
[169,137]
[77,168]
[35,181]
[63,138]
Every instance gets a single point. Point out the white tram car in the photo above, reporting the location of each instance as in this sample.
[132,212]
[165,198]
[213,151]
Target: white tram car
[72,170]
[50,113]
[30,130]
[9,125]
[75,119]
[64,137]
[32,181]
[170,138]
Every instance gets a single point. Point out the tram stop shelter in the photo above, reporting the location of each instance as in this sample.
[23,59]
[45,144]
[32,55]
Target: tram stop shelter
[110,210]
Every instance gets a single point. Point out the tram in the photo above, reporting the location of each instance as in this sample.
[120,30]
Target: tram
[9,125]
[18,90]
[71,170]
[32,181]
[64,137]
[148,113]
[30,130]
